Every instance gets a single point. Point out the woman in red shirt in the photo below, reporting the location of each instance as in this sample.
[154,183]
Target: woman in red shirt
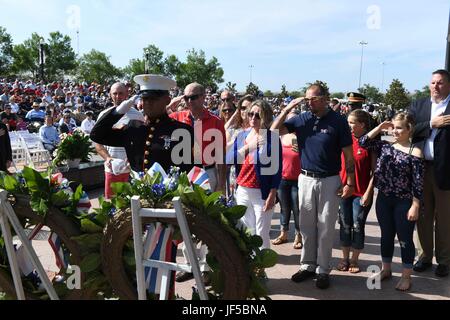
[257,184]
[288,189]
[354,210]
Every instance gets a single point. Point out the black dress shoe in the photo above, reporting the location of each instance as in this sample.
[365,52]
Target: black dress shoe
[421,266]
[302,275]
[323,281]
[441,270]
[184,276]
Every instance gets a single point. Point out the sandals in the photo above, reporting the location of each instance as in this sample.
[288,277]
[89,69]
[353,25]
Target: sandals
[353,267]
[298,242]
[279,240]
[343,265]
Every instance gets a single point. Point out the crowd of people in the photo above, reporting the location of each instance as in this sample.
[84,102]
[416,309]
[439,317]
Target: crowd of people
[320,158]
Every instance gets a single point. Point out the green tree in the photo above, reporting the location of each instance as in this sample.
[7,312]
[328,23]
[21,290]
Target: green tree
[268,93]
[171,65]
[26,56]
[252,89]
[372,93]
[6,52]
[197,69]
[154,57]
[60,56]
[284,93]
[296,94]
[397,96]
[419,94]
[230,87]
[95,66]
[317,82]
[135,67]
[338,95]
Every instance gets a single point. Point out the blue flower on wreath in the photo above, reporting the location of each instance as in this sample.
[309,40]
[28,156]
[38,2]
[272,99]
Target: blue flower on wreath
[158,190]
[172,185]
[228,203]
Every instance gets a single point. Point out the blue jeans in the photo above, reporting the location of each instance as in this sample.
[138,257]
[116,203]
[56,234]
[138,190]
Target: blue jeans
[392,216]
[352,219]
[288,196]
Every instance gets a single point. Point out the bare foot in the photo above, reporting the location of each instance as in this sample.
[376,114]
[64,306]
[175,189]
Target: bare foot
[404,284]
[383,274]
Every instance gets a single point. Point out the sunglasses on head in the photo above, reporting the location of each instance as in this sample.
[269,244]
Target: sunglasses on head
[192,98]
[254,114]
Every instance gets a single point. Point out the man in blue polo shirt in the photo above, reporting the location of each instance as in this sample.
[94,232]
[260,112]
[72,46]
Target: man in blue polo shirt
[322,135]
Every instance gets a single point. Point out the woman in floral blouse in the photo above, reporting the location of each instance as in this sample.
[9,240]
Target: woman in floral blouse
[399,179]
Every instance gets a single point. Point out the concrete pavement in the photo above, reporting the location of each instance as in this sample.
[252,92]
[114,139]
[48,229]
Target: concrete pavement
[344,285]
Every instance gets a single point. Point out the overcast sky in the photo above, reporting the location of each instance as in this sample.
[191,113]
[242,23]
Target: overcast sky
[286,41]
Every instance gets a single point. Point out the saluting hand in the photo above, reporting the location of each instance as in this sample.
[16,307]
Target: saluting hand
[294,103]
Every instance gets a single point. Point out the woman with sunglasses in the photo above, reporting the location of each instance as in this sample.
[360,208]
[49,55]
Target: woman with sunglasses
[258,179]
[235,124]
[226,111]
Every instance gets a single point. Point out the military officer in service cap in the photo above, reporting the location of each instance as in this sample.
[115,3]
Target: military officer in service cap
[355,100]
[153,141]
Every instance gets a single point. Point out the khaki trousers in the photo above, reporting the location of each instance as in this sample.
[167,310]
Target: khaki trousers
[434,220]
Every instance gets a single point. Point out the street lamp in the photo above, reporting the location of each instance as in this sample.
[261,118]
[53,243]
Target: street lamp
[41,58]
[382,76]
[447,58]
[362,43]
[251,67]
[147,58]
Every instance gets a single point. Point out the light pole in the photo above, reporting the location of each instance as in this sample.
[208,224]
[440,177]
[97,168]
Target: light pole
[41,58]
[362,43]
[78,42]
[447,58]
[382,76]
[251,68]
[147,64]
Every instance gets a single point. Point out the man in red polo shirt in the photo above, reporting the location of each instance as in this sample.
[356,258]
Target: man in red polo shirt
[209,151]
[209,135]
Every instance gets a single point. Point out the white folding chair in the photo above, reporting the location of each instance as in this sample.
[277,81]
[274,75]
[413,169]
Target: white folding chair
[177,213]
[7,215]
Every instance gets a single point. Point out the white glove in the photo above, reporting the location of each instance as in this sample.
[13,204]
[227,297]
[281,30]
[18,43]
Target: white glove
[125,106]
[119,166]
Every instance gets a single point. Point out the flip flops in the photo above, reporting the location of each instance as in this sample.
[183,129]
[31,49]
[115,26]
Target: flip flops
[343,265]
[279,240]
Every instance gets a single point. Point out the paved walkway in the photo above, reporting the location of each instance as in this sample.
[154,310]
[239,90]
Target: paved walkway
[344,285]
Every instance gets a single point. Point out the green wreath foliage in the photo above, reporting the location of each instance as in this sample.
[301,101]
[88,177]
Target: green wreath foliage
[156,193]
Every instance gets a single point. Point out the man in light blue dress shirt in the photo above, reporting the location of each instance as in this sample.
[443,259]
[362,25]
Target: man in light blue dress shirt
[49,135]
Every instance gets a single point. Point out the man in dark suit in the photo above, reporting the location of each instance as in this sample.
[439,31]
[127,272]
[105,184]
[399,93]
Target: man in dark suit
[432,128]
[5,148]
[154,141]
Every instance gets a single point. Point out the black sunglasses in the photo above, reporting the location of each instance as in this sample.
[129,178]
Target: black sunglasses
[227,110]
[243,108]
[256,114]
[192,98]
[227,99]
